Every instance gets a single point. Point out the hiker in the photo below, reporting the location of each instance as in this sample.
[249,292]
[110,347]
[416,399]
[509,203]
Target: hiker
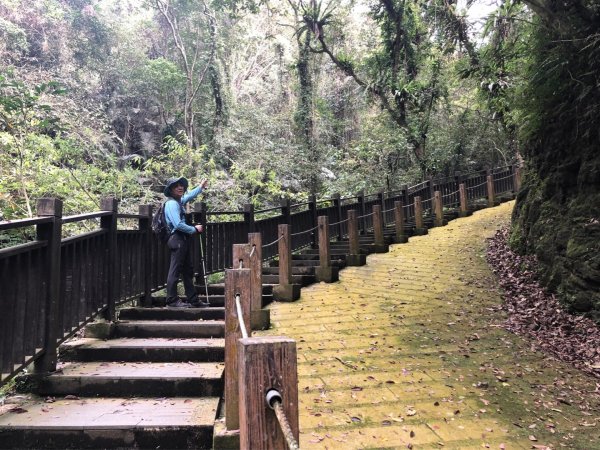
[180,242]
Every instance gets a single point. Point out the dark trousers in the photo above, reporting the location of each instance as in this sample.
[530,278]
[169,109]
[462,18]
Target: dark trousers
[181,264]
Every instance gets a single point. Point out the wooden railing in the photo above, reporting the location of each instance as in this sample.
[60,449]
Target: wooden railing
[52,286]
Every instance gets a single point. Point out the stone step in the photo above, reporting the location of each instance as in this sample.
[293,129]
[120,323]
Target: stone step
[337,252]
[303,280]
[219,289]
[148,350]
[310,262]
[216,301]
[212,313]
[160,301]
[135,379]
[296,270]
[94,423]
[169,329]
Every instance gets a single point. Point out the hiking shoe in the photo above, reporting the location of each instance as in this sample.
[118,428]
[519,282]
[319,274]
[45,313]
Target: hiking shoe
[200,304]
[179,304]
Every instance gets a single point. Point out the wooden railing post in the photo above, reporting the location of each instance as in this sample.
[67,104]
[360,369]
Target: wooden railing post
[260,318]
[419,225]
[337,204]
[379,244]
[312,207]
[249,217]
[237,281]
[145,225]
[438,209]
[324,271]
[354,258]
[462,192]
[51,232]
[362,211]
[517,179]
[286,210]
[286,290]
[109,223]
[490,190]
[399,220]
[267,363]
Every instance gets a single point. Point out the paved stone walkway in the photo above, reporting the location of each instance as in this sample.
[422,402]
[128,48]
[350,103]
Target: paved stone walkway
[408,352]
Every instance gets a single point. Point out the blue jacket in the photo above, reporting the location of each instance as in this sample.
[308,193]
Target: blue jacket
[175,214]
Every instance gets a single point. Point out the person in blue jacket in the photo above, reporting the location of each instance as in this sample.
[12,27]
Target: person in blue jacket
[180,242]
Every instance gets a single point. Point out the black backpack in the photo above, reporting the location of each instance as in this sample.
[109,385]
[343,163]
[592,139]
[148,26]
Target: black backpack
[159,224]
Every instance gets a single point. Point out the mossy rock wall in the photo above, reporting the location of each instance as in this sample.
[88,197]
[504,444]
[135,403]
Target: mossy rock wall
[557,218]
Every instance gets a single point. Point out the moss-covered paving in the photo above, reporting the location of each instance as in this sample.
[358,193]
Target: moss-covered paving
[409,352]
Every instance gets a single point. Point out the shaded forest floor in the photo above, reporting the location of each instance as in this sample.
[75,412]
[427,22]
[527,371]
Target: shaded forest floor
[410,351]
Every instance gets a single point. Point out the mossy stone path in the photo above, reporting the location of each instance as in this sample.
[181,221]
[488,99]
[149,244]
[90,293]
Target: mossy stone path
[409,352]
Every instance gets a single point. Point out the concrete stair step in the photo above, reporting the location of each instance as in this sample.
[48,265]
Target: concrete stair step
[170,329]
[94,423]
[211,313]
[160,301]
[296,270]
[303,280]
[266,290]
[139,379]
[310,263]
[148,350]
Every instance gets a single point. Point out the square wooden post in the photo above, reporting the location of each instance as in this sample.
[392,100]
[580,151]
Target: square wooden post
[438,209]
[249,217]
[462,192]
[109,223]
[399,220]
[312,207]
[51,232]
[419,225]
[145,225]
[260,319]
[379,244]
[286,290]
[354,258]
[237,281]
[490,191]
[516,179]
[267,363]
[337,204]
[324,271]
[362,211]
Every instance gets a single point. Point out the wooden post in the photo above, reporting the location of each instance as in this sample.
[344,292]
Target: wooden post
[462,192]
[517,179]
[260,319]
[419,225]
[324,271]
[286,210]
[267,363]
[379,244]
[237,281]
[490,189]
[312,207]
[109,223]
[362,209]
[337,204]
[286,290]
[51,232]
[354,258]
[249,217]
[145,225]
[438,209]
[399,220]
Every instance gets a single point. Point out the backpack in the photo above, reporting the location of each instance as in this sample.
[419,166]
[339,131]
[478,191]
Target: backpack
[159,224]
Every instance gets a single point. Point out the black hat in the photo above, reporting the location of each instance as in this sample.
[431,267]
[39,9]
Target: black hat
[173,181]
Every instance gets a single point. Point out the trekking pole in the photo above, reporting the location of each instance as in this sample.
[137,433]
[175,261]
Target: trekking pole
[203,267]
